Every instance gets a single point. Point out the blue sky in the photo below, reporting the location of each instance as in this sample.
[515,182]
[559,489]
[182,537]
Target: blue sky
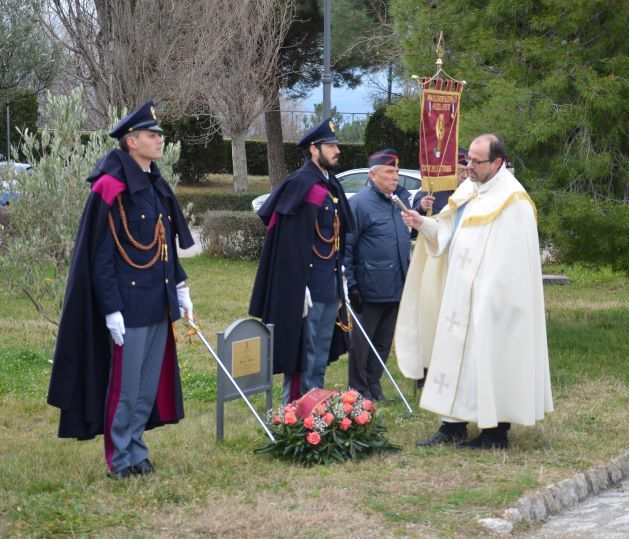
[344,99]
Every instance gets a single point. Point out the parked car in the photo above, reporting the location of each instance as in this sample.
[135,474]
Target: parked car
[355,179]
[8,187]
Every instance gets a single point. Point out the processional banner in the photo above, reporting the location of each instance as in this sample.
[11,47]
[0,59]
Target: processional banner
[439,134]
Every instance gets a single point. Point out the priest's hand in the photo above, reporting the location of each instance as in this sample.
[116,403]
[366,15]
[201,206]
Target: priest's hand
[115,325]
[307,303]
[185,303]
[355,299]
[412,218]
[426,203]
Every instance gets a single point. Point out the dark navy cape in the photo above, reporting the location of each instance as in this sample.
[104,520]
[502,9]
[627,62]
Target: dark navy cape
[278,291]
[82,357]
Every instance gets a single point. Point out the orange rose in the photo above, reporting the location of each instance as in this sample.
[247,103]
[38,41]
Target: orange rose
[368,405]
[309,422]
[313,438]
[289,408]
[348,408]
[346,423]
[277,419]
[350,396]
[320,409]
[363,418]
[290,418]
[328,418]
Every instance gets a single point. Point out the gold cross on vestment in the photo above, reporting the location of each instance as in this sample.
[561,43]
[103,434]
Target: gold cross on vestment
[452,321]
[441,382]
[464,258]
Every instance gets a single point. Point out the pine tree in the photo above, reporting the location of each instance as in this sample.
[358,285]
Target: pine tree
[548,75]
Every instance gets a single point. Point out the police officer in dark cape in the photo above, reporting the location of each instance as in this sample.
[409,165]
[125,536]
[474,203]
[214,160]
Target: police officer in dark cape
[299,284]
[115,366]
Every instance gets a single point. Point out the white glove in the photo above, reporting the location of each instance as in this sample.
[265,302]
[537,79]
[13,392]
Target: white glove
[345,291]
[307,303]
[183,297]
[115,325]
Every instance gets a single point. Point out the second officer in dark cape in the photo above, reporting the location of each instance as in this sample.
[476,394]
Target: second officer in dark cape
[299,284]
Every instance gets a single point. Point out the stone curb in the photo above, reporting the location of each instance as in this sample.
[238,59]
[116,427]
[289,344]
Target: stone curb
[560,496]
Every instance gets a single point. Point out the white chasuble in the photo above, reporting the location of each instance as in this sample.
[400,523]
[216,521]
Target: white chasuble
[487,334]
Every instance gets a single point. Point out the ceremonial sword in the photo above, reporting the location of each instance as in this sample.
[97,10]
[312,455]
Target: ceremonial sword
[347,304]
[211,350]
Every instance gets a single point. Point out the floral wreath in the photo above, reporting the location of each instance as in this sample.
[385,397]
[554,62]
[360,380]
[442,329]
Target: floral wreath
[325,426]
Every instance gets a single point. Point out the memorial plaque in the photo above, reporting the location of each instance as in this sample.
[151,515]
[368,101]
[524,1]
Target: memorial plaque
[246,357]
[246,350]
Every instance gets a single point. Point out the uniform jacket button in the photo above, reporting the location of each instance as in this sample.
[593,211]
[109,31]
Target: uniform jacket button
[143,216]
[166,281]
[311,265]
[132,283]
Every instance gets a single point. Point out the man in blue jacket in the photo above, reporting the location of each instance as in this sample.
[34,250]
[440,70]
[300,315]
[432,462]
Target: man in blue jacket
[376,262]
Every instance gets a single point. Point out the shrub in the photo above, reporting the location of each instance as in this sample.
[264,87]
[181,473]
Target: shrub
[24,114]
[232,234]
[382,132]
[582,229]
[196,160]
[46,215]
[352,156]
[215,157]
[214,200]
[5,231]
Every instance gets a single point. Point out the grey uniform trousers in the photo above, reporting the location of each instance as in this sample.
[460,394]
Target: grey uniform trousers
[131,392]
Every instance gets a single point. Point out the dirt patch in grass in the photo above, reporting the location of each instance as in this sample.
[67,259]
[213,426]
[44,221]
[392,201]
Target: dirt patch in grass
[306,512]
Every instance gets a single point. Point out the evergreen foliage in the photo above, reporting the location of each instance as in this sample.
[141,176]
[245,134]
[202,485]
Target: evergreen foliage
[382,132]
[196,158]
[23,115]
[550,77]
[232,234]
[27,58]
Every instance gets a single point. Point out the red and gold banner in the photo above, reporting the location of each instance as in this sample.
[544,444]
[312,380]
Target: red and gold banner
[439,134]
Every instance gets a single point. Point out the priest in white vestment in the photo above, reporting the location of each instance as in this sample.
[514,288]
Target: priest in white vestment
[479,314]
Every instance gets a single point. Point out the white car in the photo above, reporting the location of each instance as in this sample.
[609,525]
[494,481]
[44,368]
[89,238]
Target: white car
[8,189]
[355,179]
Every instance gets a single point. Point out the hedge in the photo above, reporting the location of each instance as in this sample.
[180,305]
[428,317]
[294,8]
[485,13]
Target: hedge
[585,230]
[217,158]
[232,234]
[214,199]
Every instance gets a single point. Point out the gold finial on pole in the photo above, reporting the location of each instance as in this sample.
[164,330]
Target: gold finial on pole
[441,50]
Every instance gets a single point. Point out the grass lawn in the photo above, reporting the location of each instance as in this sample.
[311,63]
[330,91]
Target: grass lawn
[51,487]
[257,184]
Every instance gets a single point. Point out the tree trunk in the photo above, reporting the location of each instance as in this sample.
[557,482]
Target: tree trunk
[275,141]
[239,162]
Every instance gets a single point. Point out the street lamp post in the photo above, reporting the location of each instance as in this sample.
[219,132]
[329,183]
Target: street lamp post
[327,78]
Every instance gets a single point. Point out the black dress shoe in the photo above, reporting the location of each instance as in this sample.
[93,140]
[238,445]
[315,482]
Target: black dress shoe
[448,433]
[143,468]
[125,473]
[486,441]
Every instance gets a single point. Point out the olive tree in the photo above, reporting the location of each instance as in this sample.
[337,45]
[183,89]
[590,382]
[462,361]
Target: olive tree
[45,217]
